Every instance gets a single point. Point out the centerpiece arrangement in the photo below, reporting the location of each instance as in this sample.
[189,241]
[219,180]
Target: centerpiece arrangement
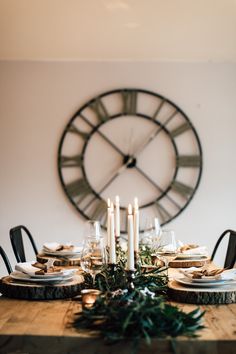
[132,301]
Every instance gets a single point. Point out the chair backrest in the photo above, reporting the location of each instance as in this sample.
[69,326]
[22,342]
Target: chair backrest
[17,242]
[6,260]
[230,257]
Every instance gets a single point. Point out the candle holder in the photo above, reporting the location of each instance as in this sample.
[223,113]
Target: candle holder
[112,268]
[130,276]
[117,238]
[89,296]
[136,259]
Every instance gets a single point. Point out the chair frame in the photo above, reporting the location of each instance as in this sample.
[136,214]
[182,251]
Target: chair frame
[230,257]
[20,240]
[6,260]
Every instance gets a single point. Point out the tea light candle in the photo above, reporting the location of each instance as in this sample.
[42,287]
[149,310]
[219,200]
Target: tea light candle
[89,296]
[130,259]
[136,225]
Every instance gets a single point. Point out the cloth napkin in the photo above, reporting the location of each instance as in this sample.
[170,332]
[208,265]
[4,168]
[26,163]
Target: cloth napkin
[229,274]
[27,268]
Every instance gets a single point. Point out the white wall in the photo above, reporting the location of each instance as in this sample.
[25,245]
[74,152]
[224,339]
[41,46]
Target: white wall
[37,100]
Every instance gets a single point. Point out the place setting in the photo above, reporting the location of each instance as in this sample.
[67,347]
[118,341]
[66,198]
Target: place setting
[64,254]
[36,272]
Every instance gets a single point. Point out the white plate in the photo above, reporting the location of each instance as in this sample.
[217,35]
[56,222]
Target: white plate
[191,256]
[24,277]
[46,275]
[210,280]
[75,252]
[189,282]
[62,273]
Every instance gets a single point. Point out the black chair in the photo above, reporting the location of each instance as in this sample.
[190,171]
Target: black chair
[16,237]
[6,260]
[230,258]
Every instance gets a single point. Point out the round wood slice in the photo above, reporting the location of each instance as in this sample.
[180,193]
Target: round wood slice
[32,291]
[187,263]
[59,261]
[226,294]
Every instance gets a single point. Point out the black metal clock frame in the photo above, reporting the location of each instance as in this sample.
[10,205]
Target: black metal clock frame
[130,163]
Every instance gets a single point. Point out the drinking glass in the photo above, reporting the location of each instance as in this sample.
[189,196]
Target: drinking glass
[93,255]
[166,247]
[152,231]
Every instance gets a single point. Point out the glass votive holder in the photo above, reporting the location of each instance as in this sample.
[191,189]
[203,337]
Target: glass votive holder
[89,296]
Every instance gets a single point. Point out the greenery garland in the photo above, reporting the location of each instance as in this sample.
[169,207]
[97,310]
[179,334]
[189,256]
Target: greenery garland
[142,312]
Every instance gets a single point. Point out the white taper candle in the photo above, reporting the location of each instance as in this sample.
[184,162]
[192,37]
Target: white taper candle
[117,216]
[112,249]
[108,221]
[136,225]
[130,259]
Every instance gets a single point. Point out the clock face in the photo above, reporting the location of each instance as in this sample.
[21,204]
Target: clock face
[131,143]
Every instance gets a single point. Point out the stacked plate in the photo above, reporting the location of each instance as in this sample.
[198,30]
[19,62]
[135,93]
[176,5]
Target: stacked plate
[51,250]
[186,256]
[26,272]
[228,277]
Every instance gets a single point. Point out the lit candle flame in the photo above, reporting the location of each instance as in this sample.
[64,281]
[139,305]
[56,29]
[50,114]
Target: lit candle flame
[117,199]
[136,203]
[108,202]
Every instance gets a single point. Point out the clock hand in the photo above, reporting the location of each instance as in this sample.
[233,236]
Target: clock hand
[155,132]
[114,176]
[158,187]
[115,147]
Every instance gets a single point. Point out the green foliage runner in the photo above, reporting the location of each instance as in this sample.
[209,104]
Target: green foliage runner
[143,312]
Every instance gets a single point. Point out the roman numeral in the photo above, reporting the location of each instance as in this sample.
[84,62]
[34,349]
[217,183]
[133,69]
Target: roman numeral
[129,99]
[182,189]
[100,110]
[79,189]
[73,129]
[164,214]
[100,211]
[180,129]
[158,109]
[71,161]
[188,161]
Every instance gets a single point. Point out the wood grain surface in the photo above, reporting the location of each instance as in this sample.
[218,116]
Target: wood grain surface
[36,327]
[195,295]
[187,263]
[59,261]
[35,291]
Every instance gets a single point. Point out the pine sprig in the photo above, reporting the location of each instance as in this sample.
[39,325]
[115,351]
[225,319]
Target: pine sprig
[134,314]
[137,314]
[111,279]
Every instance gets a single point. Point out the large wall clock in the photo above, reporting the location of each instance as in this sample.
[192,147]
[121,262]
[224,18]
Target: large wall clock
[131,143]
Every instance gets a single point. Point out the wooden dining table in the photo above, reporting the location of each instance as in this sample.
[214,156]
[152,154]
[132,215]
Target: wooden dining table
[36,327]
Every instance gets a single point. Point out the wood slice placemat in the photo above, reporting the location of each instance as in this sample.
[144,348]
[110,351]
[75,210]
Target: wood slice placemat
[59,261]
[35,291]
[187,263]
[226,294]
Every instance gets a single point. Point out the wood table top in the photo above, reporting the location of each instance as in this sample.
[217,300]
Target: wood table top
[36,327]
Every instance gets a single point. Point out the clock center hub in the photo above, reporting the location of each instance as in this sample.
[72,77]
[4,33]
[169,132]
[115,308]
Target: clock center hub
[129,161]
